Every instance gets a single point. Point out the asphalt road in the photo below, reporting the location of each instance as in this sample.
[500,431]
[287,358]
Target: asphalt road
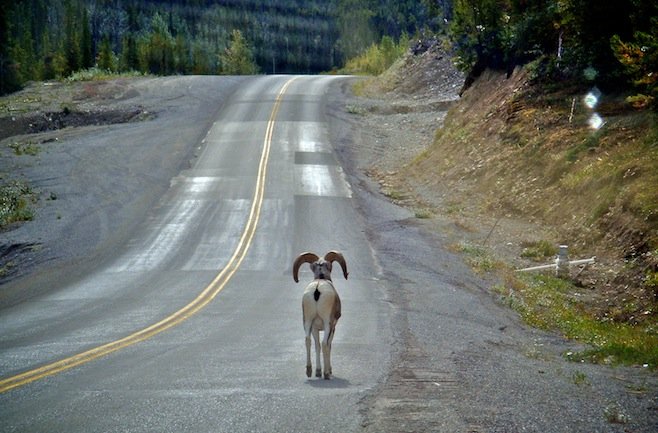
[235,363]
[169,305]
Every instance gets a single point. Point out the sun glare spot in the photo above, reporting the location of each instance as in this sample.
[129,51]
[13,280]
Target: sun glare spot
[595,121]
[592,98]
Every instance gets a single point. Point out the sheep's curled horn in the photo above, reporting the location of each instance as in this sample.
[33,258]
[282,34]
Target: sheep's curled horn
[331,256]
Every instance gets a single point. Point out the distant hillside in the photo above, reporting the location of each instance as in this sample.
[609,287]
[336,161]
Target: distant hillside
[42,39]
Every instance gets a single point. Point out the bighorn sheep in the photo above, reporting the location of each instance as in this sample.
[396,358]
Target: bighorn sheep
[320,307]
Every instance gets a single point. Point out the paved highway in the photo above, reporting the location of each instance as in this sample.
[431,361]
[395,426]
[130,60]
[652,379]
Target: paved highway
[195,324]
[187,318]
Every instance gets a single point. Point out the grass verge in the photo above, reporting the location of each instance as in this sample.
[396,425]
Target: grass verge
[553,304]
[478,257]
[93,74]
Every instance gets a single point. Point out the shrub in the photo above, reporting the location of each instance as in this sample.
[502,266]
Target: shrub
[378,57]
[639,59]
[15,200]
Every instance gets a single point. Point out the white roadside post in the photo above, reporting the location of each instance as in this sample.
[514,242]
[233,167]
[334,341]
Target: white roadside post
[562,262]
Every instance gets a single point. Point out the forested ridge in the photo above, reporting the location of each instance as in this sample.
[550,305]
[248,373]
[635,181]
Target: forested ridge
[43,39]
[614,44]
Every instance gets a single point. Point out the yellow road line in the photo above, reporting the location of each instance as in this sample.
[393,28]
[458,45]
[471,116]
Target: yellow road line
[207,295]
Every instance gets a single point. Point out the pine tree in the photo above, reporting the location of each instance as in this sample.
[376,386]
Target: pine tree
[238,58]
[86,51]
[355,27]
[7,79]
[129,47]
[159,47]
[106,57]
[129,54]
[72,40]
[639,59]
[181,54]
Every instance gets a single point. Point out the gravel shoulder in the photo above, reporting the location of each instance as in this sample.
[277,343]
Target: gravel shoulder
[463,362]
[100,160]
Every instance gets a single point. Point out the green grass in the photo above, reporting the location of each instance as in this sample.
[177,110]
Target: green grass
[393,194]
[539,250]
[615,414]
[29,148]
[545,302]
[423,213]
[4,270]
[477,257]
[355,109]
[15,200]
[94,73]
[589,142]
[579,378]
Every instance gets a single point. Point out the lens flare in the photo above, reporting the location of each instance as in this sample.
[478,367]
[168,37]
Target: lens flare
[595,121]
[592,98]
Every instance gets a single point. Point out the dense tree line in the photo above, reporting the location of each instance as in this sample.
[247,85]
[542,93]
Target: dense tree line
[44,39]
[614,43]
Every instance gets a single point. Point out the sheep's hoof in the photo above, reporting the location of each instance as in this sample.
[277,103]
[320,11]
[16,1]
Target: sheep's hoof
[327,376]
[318,373]
[308,370]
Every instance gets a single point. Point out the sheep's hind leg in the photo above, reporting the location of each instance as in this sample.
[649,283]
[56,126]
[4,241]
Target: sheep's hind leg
[326,351]
[318,368]
[309,368]
[329,342]
[308,356]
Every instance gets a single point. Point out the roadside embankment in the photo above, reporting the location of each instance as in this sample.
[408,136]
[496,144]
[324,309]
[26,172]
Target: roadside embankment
[512,169]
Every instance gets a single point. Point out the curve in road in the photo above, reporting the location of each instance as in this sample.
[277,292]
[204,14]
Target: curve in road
[205,297]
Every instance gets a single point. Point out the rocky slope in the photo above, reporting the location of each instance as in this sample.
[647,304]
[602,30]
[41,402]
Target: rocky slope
[513,165]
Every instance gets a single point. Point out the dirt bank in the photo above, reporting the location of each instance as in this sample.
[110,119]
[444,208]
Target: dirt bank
[519,169]
[449,373]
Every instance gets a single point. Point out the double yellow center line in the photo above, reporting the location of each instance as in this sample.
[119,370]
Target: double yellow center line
[203,299]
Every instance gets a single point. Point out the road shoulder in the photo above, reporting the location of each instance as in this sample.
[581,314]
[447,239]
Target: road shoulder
[462,361]
[104,152]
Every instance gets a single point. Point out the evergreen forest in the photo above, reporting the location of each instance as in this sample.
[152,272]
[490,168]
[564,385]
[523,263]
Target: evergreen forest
[46,39]
[614,42]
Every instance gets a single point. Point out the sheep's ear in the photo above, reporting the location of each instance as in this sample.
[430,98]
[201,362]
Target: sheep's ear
[302,258]
[335,256]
